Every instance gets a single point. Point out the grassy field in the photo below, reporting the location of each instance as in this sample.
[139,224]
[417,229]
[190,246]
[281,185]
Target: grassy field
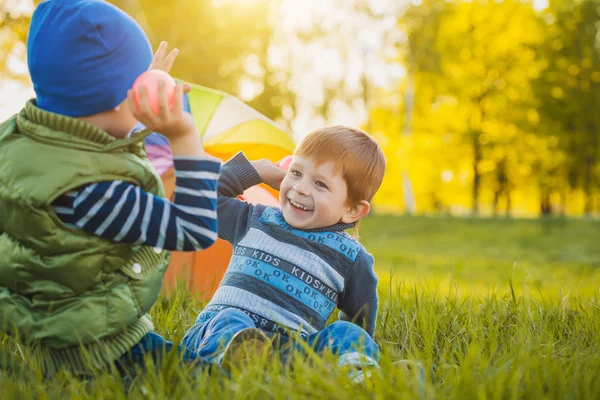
[491,308]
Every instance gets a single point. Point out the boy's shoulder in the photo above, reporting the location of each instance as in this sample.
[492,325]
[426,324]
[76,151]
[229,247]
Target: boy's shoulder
[9,124]
[338,242]
[8,127]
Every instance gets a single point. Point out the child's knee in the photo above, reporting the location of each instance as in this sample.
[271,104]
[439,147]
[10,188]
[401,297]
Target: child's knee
[347,336]
[346,328]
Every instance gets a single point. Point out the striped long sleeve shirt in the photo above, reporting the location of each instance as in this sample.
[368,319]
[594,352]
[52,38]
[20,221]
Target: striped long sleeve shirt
[123,212]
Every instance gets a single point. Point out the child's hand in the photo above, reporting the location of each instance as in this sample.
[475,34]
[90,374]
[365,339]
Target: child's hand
[269,172]
[173,123]
[165,63]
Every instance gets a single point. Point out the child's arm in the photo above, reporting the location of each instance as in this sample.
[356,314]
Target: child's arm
[123,212]
[359,302]
[239,174]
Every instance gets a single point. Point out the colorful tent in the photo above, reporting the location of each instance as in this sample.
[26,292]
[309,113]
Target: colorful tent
[227,125]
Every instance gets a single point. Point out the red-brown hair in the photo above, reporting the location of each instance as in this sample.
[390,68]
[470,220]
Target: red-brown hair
[354,152]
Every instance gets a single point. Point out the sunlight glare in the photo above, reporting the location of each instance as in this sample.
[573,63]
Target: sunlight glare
[540,5]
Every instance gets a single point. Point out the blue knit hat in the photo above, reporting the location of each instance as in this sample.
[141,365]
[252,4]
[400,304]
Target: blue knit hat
[84,55]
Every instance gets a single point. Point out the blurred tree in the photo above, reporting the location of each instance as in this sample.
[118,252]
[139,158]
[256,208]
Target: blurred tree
[14,24]
[421,58]
[569,93]
[487,64]
[471,64]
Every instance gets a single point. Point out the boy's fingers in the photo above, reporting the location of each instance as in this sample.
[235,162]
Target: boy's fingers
[178,103]
[159,55]
[145,110]
[132,103]
[163,107]
[187,88]
[134,106]
[168,62]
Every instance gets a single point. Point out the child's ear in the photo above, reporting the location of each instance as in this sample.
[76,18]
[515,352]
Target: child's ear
[356,212]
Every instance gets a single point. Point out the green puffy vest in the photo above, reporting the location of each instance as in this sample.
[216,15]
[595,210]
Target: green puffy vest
[78,301]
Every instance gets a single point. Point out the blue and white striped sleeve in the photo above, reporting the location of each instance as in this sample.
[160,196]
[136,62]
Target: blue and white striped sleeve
[123,212]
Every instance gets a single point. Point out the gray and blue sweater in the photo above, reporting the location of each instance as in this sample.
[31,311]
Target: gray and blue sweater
[285,278]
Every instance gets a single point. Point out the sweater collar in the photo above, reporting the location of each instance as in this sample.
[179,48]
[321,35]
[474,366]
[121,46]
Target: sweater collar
[332,228]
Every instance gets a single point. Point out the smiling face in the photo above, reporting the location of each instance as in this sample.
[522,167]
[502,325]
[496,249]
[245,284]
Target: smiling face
[314,195]
[333,176]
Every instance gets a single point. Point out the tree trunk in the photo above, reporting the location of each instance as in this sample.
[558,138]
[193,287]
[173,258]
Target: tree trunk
[502,182]
[495,202]
[508,204]
[587,188]
[589,182]
[409,105]
[545,205]
[563,202]
[476,176]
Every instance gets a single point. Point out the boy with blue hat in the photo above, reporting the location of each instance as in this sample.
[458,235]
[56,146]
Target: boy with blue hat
[85,232]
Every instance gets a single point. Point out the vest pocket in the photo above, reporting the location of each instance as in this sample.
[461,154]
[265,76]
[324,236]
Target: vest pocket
[145,272]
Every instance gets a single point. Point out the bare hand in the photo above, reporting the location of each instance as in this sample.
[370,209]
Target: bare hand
[165,63]
[269,172]
[172,122]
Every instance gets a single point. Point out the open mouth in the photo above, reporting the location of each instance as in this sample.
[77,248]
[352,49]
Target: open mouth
[298,206]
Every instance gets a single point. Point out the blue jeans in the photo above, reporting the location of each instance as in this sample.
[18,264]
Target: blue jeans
[349,342]
[155,346]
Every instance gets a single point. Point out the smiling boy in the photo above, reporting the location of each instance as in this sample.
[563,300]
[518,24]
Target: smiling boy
[293,265]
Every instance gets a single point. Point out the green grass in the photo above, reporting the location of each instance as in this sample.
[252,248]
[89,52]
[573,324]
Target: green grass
[541,256]
[491,308]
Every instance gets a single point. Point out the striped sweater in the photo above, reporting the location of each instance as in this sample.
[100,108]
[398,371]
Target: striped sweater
[285,278]
[123,212]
